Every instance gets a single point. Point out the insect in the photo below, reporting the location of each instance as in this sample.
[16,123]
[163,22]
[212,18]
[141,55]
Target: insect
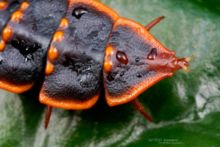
[80,46]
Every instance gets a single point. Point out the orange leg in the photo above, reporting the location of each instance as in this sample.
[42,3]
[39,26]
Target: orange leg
[140,108]
[154,22]
[47,116]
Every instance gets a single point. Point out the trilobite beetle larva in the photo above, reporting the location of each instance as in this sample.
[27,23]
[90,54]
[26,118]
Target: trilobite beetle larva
[80,46]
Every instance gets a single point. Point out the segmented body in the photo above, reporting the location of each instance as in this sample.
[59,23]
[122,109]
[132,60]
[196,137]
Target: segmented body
[79,46]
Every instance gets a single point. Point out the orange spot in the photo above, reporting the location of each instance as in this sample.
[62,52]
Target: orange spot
[49,68]
[2,45]
[17,16]
[58,36]
[64,23]
[7,33]
[24,6]
[107,66]
[15,88]
[109,51]
[3,5]
[53,53]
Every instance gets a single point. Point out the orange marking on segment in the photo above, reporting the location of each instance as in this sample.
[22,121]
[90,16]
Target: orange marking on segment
[53,53]
[58,36]
[18,89]
[7,33]
[64,23]
[17,16]
[108,66]
[109,51]
[2,45]
[3,5]
[24,6]
[67,104]
[49,68]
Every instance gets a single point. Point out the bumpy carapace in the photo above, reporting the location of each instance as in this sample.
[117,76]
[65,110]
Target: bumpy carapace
[80,46]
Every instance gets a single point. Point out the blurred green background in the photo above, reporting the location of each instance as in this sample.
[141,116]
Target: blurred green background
[186,107]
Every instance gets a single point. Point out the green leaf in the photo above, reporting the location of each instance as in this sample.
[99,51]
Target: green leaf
[186,107]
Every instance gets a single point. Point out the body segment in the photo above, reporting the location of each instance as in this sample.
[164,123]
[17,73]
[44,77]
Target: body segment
[145,62]
[27,36]
[76,79]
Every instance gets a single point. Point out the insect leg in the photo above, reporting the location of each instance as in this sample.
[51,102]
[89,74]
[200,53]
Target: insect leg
[140,108]
[47,116]
[154,22]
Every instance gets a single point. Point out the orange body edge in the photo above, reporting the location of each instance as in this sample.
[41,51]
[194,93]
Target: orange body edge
[68,105]
[18,89]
